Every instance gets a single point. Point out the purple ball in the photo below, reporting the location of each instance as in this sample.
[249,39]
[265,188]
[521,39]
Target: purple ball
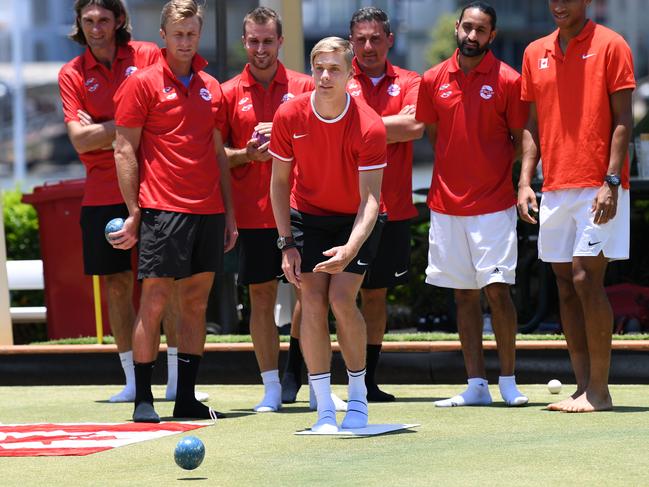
[261,138]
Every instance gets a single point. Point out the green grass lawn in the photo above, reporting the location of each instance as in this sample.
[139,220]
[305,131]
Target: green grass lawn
[457,446]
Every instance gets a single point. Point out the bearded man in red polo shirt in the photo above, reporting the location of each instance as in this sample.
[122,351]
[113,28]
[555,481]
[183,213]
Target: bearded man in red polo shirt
[471,105]
[174,178]
[337,148]
[392,92]
[579,80]
[87,85]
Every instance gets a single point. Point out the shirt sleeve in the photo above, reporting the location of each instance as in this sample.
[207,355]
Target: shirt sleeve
[426,111]
[619,67]
[517,110]
[412,90]
[219,107]
[372,153]
[281,145]
[70,95]
[131,103]
[527,89]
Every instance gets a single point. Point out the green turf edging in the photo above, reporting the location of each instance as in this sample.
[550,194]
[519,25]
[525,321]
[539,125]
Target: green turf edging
[390,337]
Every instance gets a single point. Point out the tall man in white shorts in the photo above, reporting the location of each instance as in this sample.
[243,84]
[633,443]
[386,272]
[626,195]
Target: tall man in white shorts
[579,80]
[471,105]
[338,148]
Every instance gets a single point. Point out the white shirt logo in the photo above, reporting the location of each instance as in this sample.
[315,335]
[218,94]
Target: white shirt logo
[287,97]
[486,92]
[168,90]
[446,94]
[355,93]
[353,85]
[444,86]
[299,136]
[245,108]
[243,100]
[394,89]
[586,56]
[90,81]
[130,70]
[544,63]
[92,85]
[205,94]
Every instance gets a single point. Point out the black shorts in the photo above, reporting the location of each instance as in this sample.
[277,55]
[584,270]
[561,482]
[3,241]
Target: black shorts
[315,233]
[259,258]
[99,257]
[180,245]
[391,265]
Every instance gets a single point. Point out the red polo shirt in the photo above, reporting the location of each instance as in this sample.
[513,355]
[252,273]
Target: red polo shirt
[88,85]
[328,154]
[572,94]
[398,88]
[474,152]
[177,159]
[249,103]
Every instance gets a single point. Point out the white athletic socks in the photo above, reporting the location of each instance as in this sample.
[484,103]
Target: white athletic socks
[128,393]
[326,423]
[356,416]
[172,377]
[509,392]
[272,400]
[313,404]
[476,394]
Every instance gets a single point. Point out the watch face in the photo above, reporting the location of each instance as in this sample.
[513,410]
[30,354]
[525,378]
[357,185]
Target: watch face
[613,180]
[280,243]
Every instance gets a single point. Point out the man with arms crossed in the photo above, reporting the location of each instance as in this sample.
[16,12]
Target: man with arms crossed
[471,105]
[392,92]
[252,98]
[87,85]
[174,177]
[339,149]
[579,81]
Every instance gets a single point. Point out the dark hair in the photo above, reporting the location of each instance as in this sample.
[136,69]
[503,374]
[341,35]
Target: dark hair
[369,14]
[122,35]
[484,7]
[263,15]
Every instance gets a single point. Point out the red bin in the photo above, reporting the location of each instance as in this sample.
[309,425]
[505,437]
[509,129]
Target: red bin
[68,291]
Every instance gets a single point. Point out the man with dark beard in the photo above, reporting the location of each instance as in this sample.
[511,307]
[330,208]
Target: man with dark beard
[471,106]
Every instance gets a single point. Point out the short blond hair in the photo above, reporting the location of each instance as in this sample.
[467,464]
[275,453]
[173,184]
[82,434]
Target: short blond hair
[334,44]
[177,10]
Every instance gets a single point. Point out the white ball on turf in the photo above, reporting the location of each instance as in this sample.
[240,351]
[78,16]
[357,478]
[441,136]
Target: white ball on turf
[554,386]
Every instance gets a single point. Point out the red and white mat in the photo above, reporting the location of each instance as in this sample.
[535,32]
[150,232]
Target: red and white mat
[77,439]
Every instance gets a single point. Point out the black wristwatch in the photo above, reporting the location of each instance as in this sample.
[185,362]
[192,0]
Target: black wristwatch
[613,180]
[284,243]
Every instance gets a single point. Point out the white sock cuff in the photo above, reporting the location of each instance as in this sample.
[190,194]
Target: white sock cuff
[477,381]
[126,358]
[360,373]
[316,377]
[270,376]
[507,379]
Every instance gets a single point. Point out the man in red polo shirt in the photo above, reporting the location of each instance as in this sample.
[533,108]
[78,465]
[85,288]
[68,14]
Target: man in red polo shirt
[252,98]
[338,149]
[87,85]
[471,105]
[392,92]
[579,80]
[173,174]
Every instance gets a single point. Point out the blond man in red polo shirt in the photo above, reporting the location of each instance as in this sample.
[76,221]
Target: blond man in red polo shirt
[174,177]
[392,92]
[337,148]
[579,80]
[252,98]
[87,85]
[471,105]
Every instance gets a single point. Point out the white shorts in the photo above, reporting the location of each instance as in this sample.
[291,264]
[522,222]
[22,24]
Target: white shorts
[471,252]
[567,229]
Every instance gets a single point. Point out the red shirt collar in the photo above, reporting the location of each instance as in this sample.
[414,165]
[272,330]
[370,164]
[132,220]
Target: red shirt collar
[484,67]
[389,69]
[552,41]
[249,80]
[90,61]
[198,63]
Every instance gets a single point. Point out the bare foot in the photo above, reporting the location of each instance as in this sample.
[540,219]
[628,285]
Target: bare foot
[590,402]
[561,405]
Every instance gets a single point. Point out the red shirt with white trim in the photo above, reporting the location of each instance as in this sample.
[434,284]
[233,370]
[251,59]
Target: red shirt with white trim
[88,85]
[474,152]
[177,158]
[572,92]
[398,88]
[328,154]
[249,103]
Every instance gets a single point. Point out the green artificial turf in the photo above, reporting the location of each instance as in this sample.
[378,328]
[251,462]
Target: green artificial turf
[389,337]
[457,446]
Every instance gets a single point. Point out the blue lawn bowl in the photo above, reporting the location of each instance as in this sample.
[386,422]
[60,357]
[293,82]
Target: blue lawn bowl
[189,453]
[115,225]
